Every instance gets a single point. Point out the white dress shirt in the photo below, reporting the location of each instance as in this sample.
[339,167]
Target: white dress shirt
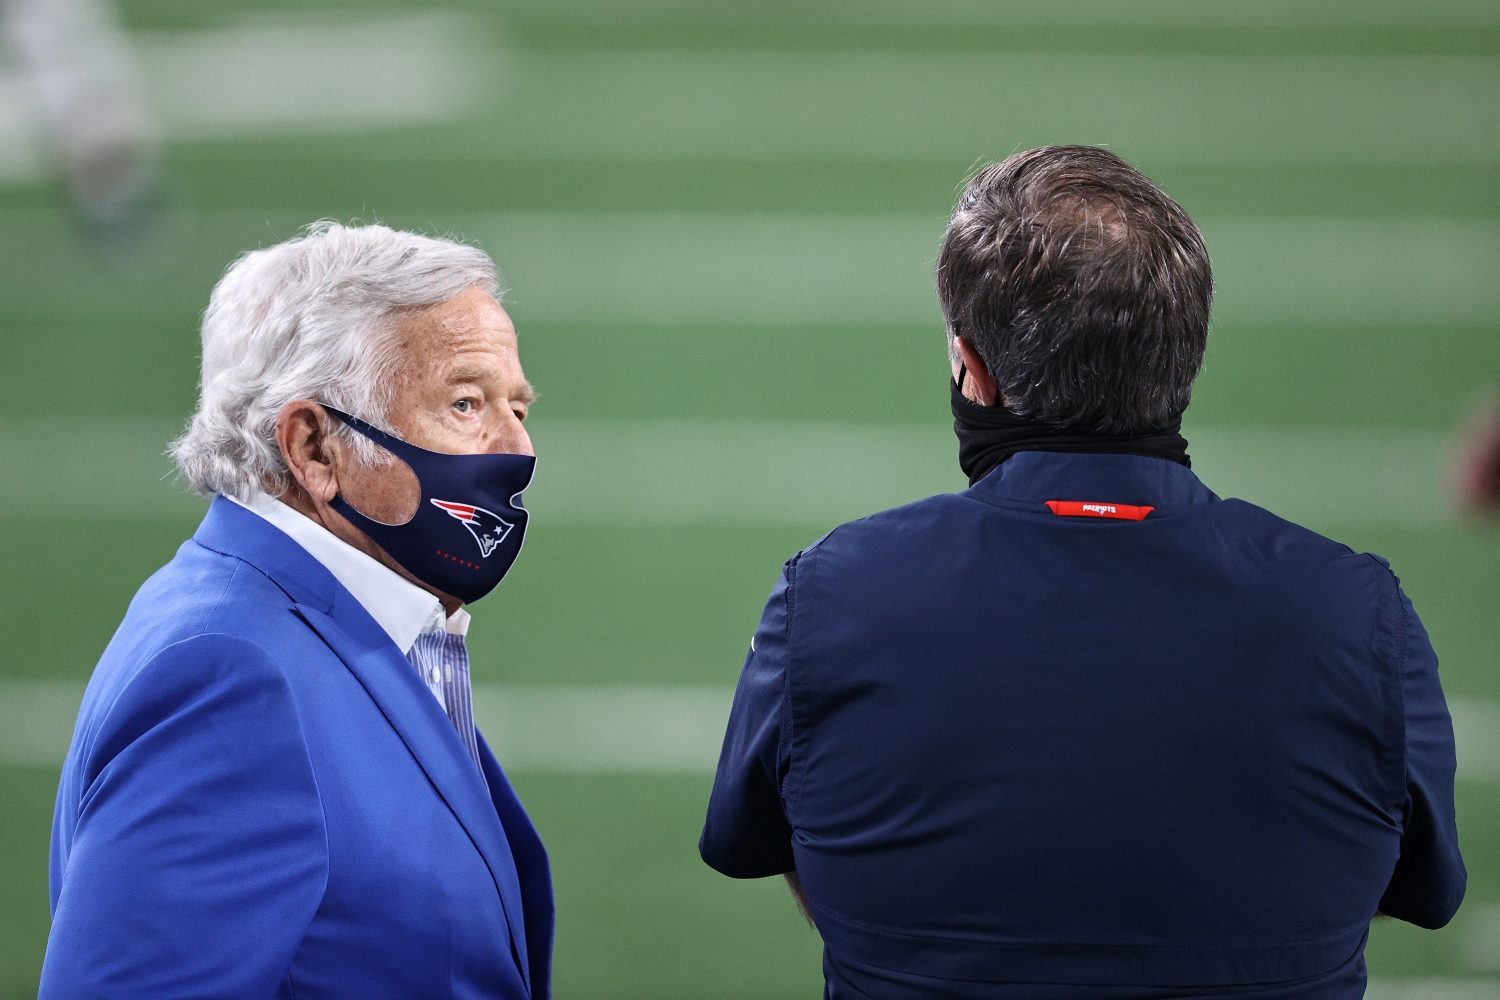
[398,606]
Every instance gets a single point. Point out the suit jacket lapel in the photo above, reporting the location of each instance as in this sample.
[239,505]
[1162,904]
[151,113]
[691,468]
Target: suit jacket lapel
[536,875]
[393,685]
[429,735]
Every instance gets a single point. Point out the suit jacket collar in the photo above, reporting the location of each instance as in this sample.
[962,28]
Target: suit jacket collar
[233,531]
[386,674]
[401,607]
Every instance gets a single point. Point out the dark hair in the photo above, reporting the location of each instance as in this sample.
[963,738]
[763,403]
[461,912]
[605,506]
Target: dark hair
[1085,289]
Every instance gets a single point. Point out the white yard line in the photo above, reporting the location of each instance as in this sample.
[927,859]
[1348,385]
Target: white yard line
[769,270]
[22,160]
[773,269]
[1015,13]
[1435,988]
[119,463]
[821,474]
[1333,478]
[293,76]
[605,729]
[602,728]
[36,721]
[628,729]
[772,472]
[282,77]
[1481,936]
[296,76]
[955,106]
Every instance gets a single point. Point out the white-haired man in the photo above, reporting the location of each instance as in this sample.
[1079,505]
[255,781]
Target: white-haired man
[275,788]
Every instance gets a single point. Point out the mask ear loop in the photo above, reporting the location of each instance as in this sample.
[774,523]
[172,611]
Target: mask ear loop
[963,372]
[374,435]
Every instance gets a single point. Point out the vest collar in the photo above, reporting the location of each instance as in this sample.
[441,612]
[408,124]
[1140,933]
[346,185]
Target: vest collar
[1034,477]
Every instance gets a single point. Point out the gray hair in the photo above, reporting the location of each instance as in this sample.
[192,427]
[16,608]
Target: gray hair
[312,318]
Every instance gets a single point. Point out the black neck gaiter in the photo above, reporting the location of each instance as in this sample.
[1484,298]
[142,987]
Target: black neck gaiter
[988,435]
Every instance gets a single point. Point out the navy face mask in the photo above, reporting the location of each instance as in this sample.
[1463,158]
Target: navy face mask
[469,524]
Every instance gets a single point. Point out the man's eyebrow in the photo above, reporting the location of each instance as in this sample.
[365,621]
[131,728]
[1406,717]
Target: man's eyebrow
[525,394]
[471,374]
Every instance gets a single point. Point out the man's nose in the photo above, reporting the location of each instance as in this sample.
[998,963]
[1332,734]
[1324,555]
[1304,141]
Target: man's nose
[512,439]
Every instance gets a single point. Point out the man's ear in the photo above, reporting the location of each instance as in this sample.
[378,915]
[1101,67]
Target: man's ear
[302,434]
[978,387]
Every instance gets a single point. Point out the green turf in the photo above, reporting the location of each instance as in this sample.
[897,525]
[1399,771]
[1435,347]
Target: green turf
[40,360]
[27,794]
[639,915]
[1399,950]
[64,588]
[1453,582]
[1350,376]
[655,605]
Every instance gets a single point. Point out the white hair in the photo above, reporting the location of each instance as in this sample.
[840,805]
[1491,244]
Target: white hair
[311,318]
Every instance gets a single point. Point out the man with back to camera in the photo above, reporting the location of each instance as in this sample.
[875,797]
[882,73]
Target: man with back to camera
[1085,730]
[275,788]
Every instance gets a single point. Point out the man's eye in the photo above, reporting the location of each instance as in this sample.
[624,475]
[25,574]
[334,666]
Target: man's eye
[463,406]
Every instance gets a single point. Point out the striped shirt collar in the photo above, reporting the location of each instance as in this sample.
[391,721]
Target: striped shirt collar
[398,606]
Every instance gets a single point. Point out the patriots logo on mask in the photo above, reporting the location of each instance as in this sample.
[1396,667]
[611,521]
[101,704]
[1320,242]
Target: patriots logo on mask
[488,530]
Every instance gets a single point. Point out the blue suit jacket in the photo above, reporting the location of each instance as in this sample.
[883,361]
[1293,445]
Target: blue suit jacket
[1018,755]
[262,799]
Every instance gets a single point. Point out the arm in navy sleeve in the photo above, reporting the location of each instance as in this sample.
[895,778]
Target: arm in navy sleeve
[1429,880]
[746,834]
[198,854]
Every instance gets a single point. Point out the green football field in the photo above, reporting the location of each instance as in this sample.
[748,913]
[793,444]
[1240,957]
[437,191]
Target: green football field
[718,223]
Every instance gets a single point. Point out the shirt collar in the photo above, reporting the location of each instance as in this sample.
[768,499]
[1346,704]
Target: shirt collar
[398,606]
[1039,476]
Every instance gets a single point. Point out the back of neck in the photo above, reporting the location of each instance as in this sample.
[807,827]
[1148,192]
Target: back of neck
[988,435]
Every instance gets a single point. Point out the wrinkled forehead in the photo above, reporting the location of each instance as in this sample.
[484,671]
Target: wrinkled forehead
[471,334]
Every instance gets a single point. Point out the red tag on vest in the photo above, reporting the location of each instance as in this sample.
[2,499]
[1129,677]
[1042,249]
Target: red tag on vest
[1079,508]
